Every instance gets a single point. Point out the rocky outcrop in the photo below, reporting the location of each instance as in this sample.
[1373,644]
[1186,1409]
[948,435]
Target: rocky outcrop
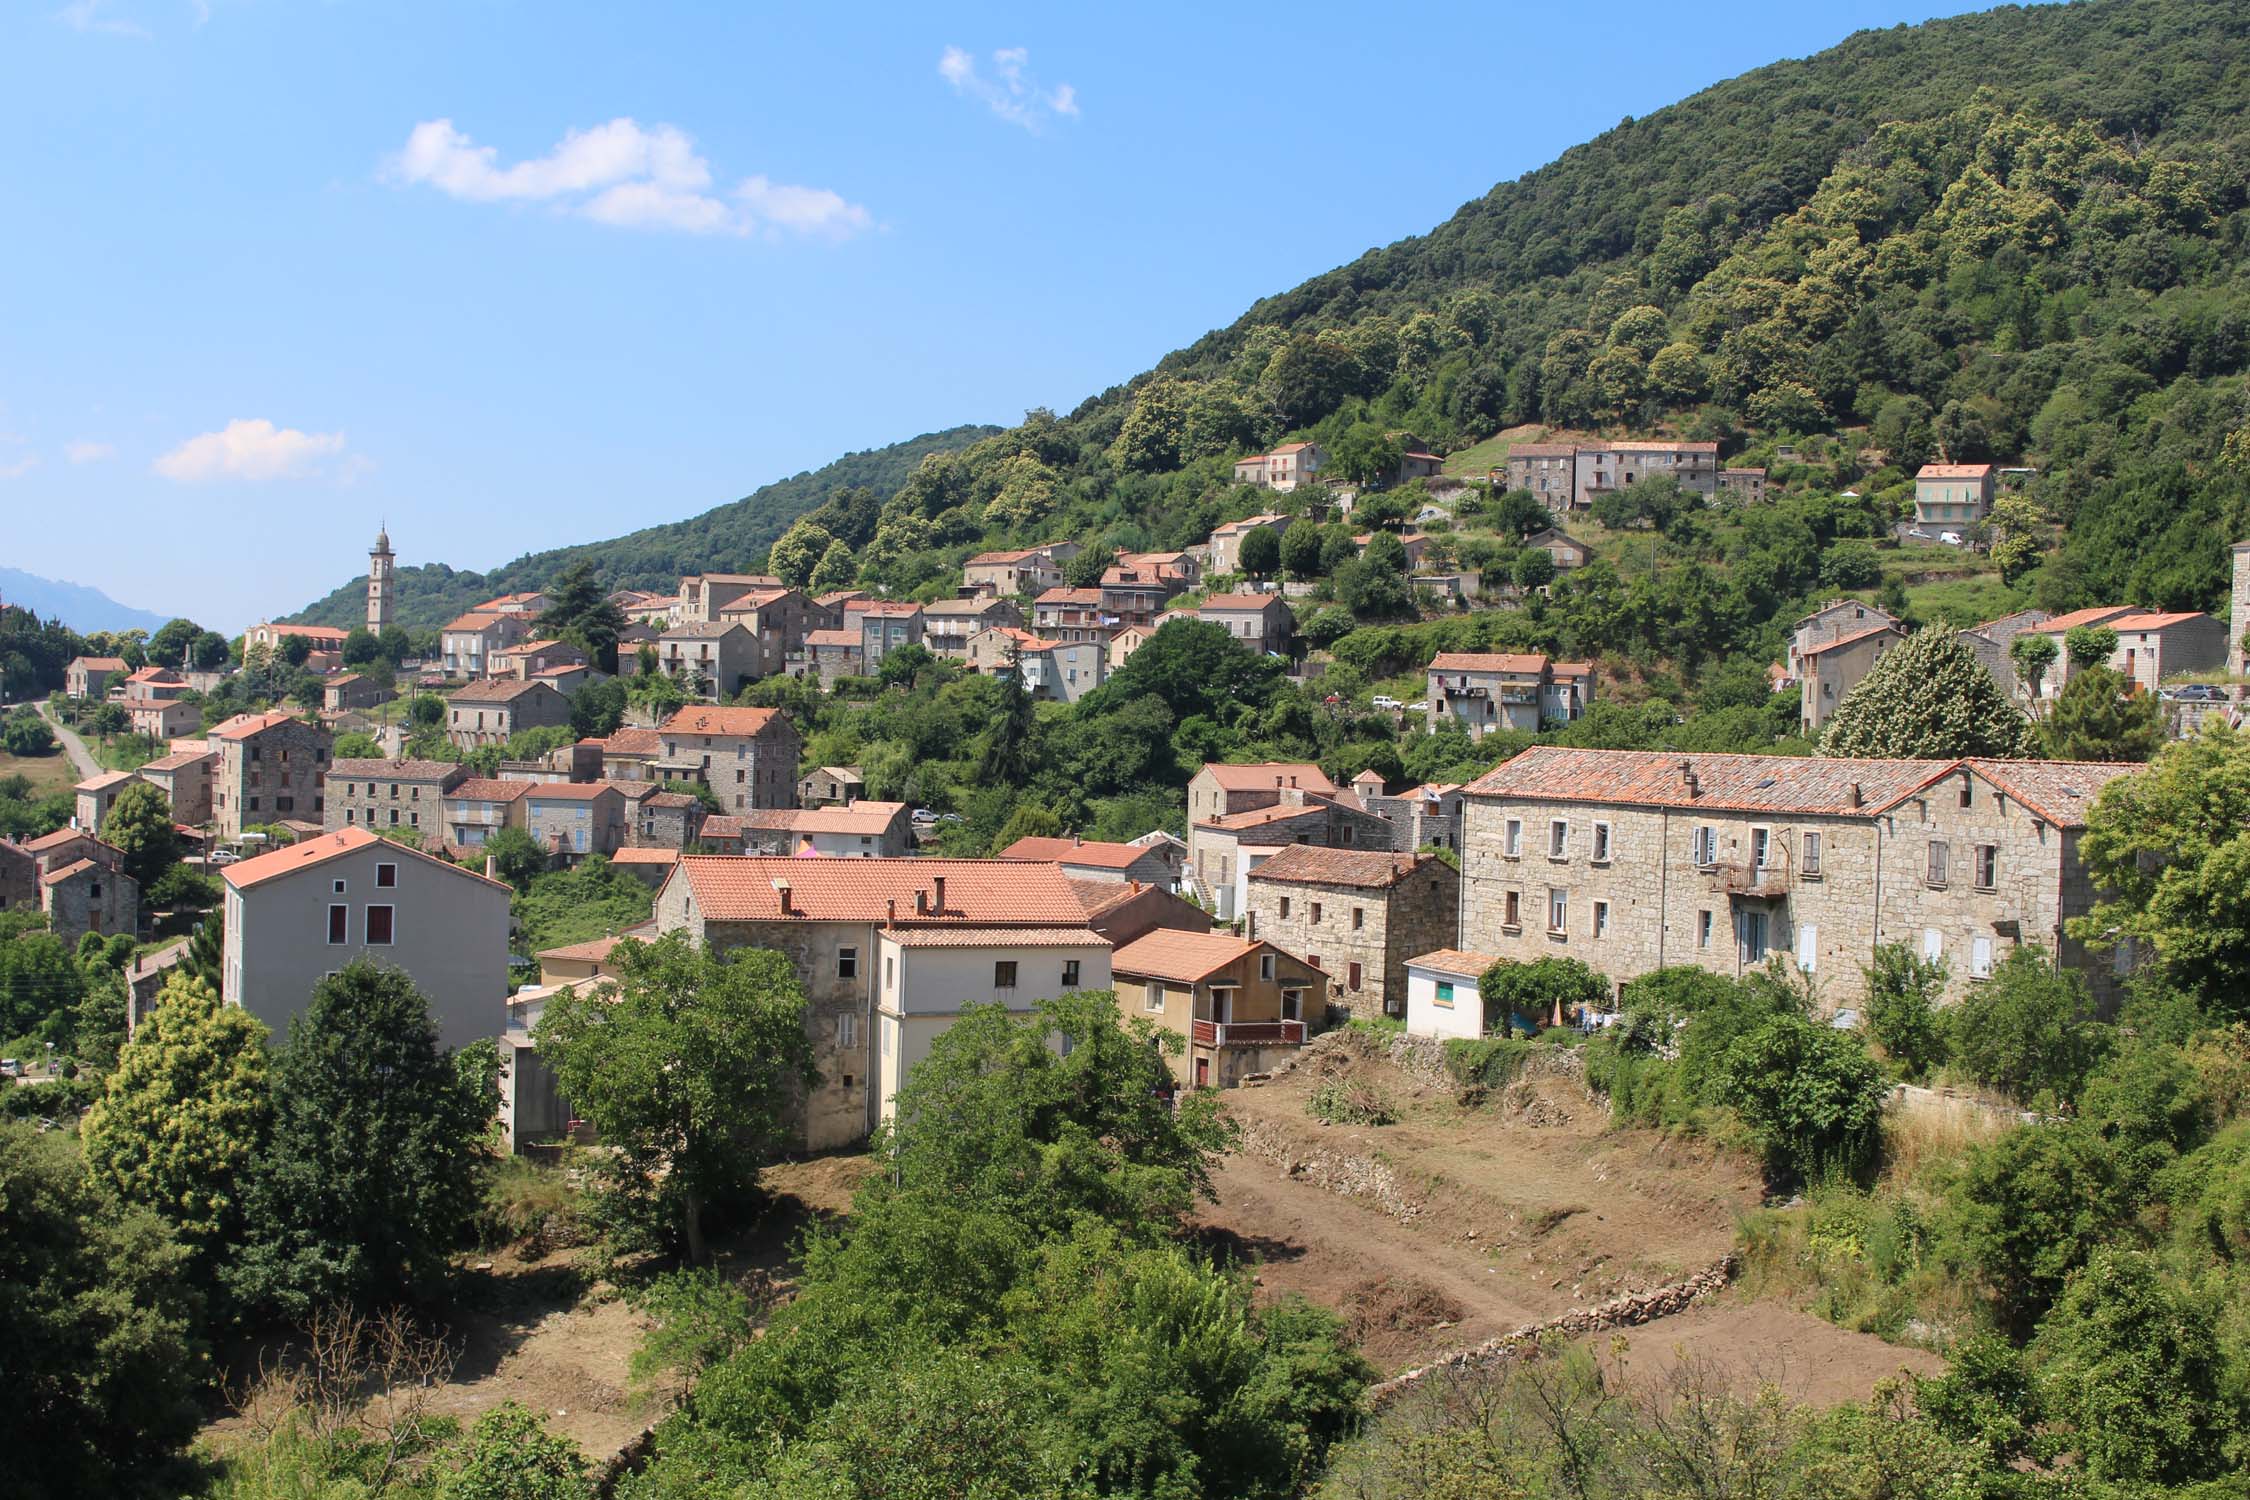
[1341,1172]
[1619,1312]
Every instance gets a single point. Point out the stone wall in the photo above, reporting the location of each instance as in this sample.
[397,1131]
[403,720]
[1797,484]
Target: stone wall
[275,774]
[1415,916]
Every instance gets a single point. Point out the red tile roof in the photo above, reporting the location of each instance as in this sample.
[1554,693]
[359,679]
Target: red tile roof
[177,761]
[308,633]
[64,872]
[1185,957]
[1086,598]
[1851,636]
[99,663]
[244,726]
[569,791]
[1266,775]
[2058,790]
[2100,614]
[475,621]
[1258,817]
[832,638]
[717,720]
[645,857]
[328,846]
[2155,621]
[998,937]
[487,789]
[1954,471]
[1091,853]
[1238,601]
[865,818]
[895,609]
[1488,661]
[499,690]
[1366,869]
[986,892]
[1454,961]
[632,742]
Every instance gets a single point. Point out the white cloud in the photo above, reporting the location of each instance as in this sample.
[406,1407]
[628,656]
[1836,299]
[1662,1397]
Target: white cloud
[1009,91]
[20,467]
[83,452]
[249,449]
[86,15]
[622,174]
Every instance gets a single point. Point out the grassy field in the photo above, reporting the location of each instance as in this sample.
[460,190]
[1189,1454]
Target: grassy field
[1476,460]
[47,774]
[1961,602]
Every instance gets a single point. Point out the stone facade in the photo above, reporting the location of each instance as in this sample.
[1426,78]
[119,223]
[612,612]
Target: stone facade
[1358,917]
[1834,667]
[83,897]
[19,877]
[747,756]
[379,794]
[185,780]
[831,786]
[1633,861]
[2238,610]
[490,713]
[270,767]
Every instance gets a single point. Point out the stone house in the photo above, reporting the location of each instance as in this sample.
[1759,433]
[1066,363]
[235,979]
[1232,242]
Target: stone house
[668,820]
[491,712]
[1356,915]
[1092,859]
[747,756]
[628,754]
[67,846]
[1989,643]
[572,819]
[992,653]
[705,596]
[159,718]
[347,691]
[302,912]
[1221,788]
[1062,614]
[271,768]
[1487,690]
[83,896]
[1838,617]
[950,624]
[19,877]
[831,786]
[1240,1005]
[872,1009]
[528,659]
[1545,469]
[1138,585]
[777,620]
[184,777]
[1747,486]
[469,645]
[480,807]
[1225,542]
[832,654]
[1123,911]
[2238,609]
[270,635]
[1953,495]
[88,677]
[864,830]
[96,795]
[1261,622]
[1025,570]
[1830,669]
[528,606]
[145,976]
[378,794]
[1064,671]
[2058,630]
[2155,646]
[1565,550]
[1635,860]
[713,657]
[1571,476]
[1224,850]
[884,625]
[1427,816]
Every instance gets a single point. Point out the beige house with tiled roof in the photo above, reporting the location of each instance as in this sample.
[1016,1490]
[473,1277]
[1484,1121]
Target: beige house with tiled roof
[747,756]
[1747,486]
[489,712]
[1833,667]
[703,596]
[1487,690]
[1357,915]
[950,624]
[830,654]
[380,794]
[1092,859]
[1261,622]
[88,677]
[480,807]
[1954,495]
[184,777]
[1226,541]
[271,769]
[1238,1005]
[888,952]
[528,659]
[347,691]
[1023,570]
[627,754]
[470,644]
[94,797]
[1635,860]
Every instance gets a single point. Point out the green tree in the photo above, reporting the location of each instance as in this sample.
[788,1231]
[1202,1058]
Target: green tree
[508,1454]
[357,745]
[1533,993]
[100,1361]
[1300,550]
[2089,645]
[26,735]
[1809,1093]
[597,709]
[1154,436]
[516,857]
[1518,513]
[579,612]
[687,1069]
[2029,1030]
[1364,454]
[1028,821]
[1534,568]
[294,650]
[1903,991]
[184,1115]
[1850,565]
[799,551]
[1927,698]
[369,1176]
[2098,716]
[2033,655]
[38,979]
[1086,569]
[140,825]
[1260,553]
[2030,1207]
[361,647]
[836,569]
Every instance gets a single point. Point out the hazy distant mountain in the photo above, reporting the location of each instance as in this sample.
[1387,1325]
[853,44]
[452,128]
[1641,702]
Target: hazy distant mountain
[83,609]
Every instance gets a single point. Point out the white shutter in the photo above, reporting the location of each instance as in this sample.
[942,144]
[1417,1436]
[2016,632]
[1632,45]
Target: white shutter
[1808,945]
[1980,957]
[1932,946]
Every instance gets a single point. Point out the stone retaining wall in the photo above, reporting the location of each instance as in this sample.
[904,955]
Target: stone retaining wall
[1619,1312]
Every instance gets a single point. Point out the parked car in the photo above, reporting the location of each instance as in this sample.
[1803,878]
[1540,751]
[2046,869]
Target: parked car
[10,1068]
[223,857]
[1917,531]
[1950,538]
[1383,700]
[924,816]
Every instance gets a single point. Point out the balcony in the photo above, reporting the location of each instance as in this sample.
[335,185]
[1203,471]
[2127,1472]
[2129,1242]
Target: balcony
[1249,1033]
[1463,690]
[1767,882]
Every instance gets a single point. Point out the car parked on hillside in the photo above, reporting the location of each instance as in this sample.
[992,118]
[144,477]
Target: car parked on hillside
[1384,700]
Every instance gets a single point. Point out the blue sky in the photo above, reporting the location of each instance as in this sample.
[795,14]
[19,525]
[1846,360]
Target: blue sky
[513,274]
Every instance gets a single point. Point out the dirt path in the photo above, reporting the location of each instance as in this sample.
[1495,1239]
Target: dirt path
[73,746]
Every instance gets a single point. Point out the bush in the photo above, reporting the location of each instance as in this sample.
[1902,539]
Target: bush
[1487,1062]
[2029,1209]
[1902,1008]
[531,1205]
[1342,1101]
[1518,993]
[1809,1093]
[2028,1030]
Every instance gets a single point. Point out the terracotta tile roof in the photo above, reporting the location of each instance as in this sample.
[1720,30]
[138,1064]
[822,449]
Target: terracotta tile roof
[488,789]
[177,761]
[1238,601]
[2155,621]
[631,791]
[702,630]
[839,596]
[672,799]
[59,839]
[569,791]
[996,559]
[645,857]
[529,648]
[632,742]
[505,600]
[1572,669]
[1255,458]
[1085,598]
[1099,896]
[971,607]
[104,781]
[2100,614]
[889,609]
[721,826]
[99,663]
[1850,636]
[1804,785]
[866,818]
[765,580]
[64,872]
[1266,775]
[244,726]
[1454,961]
[982,892]
[1291,448]
[1654,445]
[754,601]
[1259,817]
[1185,957]
[163,675]
[1366,869]
[832,638]
[717,720]
[309,633]
[593,951]
[1544,450]
[501,690]
[998,937]
[395,770]
[2058,790]
[1954,471]
[1091,853]
[1488,661]
[475,622]
[328,846]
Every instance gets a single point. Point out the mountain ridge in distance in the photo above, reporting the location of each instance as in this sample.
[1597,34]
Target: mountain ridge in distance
[82,607]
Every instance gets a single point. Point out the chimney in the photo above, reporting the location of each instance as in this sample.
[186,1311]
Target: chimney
[781,893]
[890,912]
[1687,775]
[491,867]
[921,903]
[937,895]
[1851,794]
[1076,840]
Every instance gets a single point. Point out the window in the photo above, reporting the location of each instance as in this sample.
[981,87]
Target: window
[1967,792]
[1754,937]
[1285,906]
[1070,973]
[1359,918]
[847,1029]
[1761,847]
[1706,846]
[386,876]
[1445,994]
[1980,958]
[339,924]
[1316,912]
[1152,998]
[1265,966]
[1601,919]
[394,817]
[335,887]
[1558,839]
[1808,945]
[887,972]
[1513,846]
[1512,913]
[1004,974]
[1351,976]
[379,925]
[1988,866]
[1558,909]
[1601,843]
[847,963]
[1702,929]
[1809,844]
[1941,858]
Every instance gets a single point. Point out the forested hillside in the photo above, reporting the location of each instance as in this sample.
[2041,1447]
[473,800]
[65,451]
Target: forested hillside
[730,538]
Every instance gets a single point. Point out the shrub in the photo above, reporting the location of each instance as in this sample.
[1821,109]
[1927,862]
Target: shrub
[1902,1008]
[1530,992]
[2032,1206]
[1809,1093]
[531,1205]
[2028,1030]
[1342,1101]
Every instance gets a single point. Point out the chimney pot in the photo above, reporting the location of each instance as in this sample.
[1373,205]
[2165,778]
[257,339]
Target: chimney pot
[491,867]
[1854,794]
[937,895]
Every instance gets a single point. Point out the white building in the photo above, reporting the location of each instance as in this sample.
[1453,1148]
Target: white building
[1442,998]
